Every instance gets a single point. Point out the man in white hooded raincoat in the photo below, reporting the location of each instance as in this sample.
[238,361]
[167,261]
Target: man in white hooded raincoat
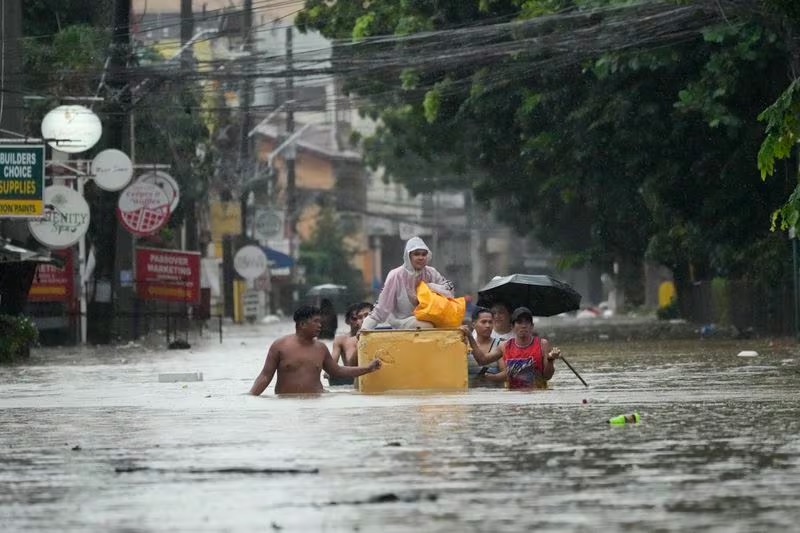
[398,298]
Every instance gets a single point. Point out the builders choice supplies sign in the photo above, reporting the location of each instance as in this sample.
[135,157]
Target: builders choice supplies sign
[21,181]
[169,275]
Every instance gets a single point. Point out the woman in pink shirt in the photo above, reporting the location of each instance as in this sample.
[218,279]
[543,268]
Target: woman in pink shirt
[398,298]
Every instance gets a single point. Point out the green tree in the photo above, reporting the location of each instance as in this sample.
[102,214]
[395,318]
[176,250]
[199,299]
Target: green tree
[601,158]
[327,257]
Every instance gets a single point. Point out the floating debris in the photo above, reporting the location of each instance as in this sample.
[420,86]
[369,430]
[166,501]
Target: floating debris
[176,377]
[224,470]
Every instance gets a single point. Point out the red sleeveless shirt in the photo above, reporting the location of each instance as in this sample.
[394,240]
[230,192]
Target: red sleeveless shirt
[524,366]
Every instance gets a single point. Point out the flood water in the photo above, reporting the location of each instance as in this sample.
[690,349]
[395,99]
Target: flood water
[91,441]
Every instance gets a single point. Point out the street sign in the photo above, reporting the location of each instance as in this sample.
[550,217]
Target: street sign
[143,208]
[21,181]
[169,275]
[54,284]
[112,169]
[250,262]
[251,302]
[268,224]
[65,220]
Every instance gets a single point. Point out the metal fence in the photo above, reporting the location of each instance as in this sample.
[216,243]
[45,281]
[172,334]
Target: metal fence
[748,307]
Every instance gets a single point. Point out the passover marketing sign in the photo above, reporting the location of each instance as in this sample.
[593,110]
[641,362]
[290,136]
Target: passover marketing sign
[169,275]
[21,181]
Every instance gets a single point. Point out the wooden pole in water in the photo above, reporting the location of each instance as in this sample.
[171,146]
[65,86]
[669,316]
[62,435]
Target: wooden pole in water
[574,371]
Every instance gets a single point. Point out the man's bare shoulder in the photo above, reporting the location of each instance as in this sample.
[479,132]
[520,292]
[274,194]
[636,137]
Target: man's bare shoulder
[319,345]
[283,340]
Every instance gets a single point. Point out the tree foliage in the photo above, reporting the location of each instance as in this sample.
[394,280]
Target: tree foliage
[650,151]
[326,256]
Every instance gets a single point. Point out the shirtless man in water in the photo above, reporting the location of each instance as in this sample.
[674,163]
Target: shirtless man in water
[345,347]
[299,358]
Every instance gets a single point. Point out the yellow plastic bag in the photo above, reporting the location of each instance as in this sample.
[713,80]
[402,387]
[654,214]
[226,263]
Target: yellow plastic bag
[441,311]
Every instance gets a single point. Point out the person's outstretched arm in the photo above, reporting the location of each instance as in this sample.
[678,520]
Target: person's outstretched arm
[270,366]
[500,377]
[548,356]
[480,357]
[338,371]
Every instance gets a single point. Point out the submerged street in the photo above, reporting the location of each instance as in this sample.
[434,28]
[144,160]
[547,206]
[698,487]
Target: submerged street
[92,441]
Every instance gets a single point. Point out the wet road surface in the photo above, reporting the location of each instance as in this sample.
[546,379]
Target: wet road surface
[91,441]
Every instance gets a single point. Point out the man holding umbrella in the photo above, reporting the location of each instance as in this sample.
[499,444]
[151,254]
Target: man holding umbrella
[526,358]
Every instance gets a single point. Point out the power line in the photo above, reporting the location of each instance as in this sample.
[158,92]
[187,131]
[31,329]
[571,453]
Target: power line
[515,50]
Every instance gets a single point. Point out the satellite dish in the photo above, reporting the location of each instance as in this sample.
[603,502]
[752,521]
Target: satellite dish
[112,169]
[71,128]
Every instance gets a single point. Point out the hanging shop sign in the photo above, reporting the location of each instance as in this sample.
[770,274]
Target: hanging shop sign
[268,224]
[168,275]
[65,220]
[166,183]
[250,262]
[54,284]
[143,208]
[71,128]
[21,181]
[112,169]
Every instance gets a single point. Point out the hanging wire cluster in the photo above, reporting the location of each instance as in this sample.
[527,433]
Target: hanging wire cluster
[511,48]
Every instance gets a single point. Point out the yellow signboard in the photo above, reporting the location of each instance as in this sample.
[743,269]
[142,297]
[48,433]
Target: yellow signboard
[21,181]
[226,219]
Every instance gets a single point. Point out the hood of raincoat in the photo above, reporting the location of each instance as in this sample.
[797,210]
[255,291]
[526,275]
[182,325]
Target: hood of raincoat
[414,243]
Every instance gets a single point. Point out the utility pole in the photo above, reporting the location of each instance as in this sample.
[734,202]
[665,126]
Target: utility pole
[289,159]
[187,65]
[115,243]
[245,163]
[187,31]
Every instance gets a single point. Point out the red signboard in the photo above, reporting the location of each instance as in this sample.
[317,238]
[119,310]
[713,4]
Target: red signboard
[169,275]
[53,284]
[143,208]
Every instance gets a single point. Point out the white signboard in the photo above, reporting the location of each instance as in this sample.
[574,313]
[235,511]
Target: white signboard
[166,183]
[112,169]
[268,224]
[65,221]
[251,302]
[71,128]
[250,262]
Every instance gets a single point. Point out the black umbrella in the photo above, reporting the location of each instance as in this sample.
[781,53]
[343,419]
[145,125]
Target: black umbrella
[543,295]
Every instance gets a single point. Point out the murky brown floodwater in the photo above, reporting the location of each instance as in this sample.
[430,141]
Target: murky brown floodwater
[90,441]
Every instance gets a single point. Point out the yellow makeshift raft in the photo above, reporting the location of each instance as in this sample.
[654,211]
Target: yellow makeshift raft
[426,359]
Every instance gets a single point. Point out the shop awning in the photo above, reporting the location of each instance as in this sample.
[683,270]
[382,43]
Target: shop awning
[14,253]
[277,259]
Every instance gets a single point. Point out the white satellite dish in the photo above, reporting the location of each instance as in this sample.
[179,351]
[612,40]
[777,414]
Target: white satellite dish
[112,169]
[65,221]
[71,128]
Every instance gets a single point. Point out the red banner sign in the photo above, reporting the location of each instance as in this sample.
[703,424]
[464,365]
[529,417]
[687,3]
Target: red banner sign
[53,284]
[169,275]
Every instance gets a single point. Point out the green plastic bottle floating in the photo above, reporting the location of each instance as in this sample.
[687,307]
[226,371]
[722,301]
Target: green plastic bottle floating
[625,419]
